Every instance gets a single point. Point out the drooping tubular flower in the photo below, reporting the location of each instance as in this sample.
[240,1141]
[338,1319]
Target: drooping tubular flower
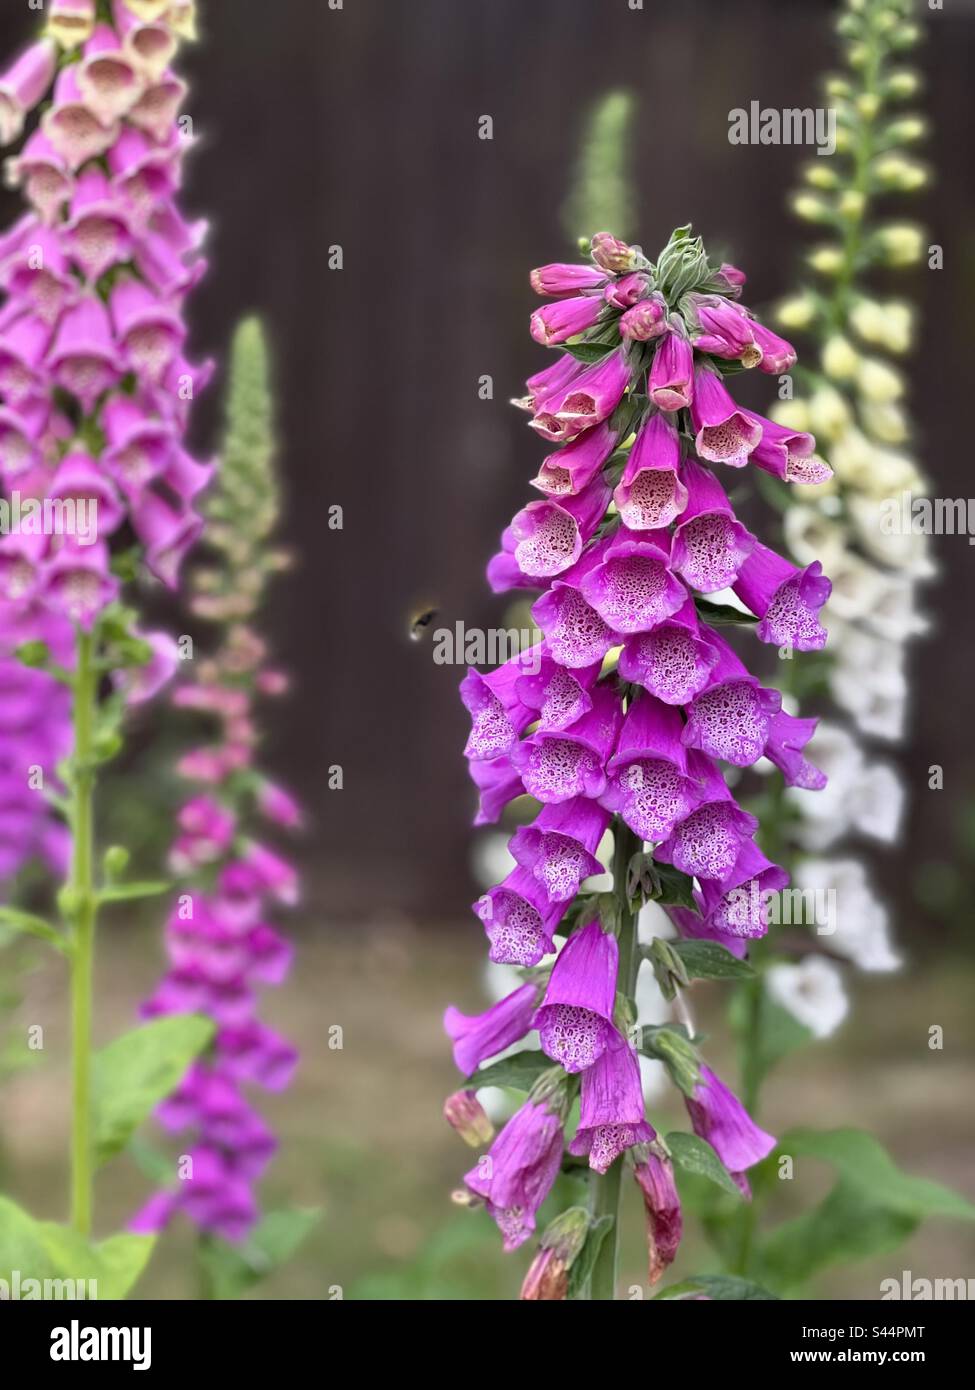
[221,941]
[95,391]
[623,713]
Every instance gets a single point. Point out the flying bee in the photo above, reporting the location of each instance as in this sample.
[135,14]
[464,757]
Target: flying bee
[420,620]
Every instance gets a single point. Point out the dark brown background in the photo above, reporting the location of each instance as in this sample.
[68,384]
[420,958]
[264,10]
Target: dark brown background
[358,127]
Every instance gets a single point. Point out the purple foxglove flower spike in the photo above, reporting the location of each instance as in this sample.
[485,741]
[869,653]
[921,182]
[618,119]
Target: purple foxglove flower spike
[724,434]
[719,1117]
[611,1115]
[478,1037]
[650,493]
[519,1170]
[575,1019]
[786,599]
[648,782]
[710,544]
[671,385]
[560,845]
[632,702]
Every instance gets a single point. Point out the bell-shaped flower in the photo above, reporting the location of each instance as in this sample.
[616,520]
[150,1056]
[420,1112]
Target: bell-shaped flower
[723,433]
[559,847]
[611,1113]
[710,544]
[651,493]
[575,1018]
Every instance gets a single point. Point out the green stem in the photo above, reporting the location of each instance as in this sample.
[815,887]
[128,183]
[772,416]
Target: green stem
[605,1200]
[82,910]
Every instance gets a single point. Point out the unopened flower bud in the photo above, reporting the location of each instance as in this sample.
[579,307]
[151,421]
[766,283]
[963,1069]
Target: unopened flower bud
[645,320]
[655,1178]
[628,290]
[547,1279]
[609,253]
[464,1113]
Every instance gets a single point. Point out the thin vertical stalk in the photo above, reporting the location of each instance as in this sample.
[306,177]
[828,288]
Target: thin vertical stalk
[606,1190]
[82,910]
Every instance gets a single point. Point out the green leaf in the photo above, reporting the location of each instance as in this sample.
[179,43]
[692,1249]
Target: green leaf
[233,1269]
[717,613]
[43,1250]
[707,960]
[520,1071]
[22,1244]
[695,1155]
[583,1265]
[718,1286]
[590,352]
[135,1072]
[123,1259]
[32,925]
[127,892]
[863,1162]
[843,1227]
